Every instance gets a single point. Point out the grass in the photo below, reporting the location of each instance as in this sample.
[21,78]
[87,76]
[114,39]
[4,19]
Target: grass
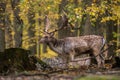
[99,77]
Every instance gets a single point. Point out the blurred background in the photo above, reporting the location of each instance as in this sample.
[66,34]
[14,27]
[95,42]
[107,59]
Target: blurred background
[22,22]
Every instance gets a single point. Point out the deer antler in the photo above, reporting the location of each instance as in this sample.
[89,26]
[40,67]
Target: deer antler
[47,24]
[64,23]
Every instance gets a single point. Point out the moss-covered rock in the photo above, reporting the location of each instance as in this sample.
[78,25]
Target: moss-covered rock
[17,60]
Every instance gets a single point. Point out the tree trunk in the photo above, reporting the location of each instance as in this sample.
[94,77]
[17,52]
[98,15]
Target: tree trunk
[31,32]
[63,21]
[17,24]
[46,28]
[8,36]
[77,23]
[37,27]
[87,28]
[2,25]
[110,37]
[2,40]
[118,36]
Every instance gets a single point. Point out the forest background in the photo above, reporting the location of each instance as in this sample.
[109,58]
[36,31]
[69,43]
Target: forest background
[22,22]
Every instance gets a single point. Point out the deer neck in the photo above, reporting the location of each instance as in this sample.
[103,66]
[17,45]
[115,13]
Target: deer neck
[56,45]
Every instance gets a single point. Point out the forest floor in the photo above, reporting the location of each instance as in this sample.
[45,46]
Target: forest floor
[71,74]
[16,64]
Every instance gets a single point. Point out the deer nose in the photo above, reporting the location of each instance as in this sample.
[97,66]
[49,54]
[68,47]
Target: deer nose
[40,41]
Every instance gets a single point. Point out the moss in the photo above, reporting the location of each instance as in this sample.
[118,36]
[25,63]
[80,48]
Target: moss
[18,60]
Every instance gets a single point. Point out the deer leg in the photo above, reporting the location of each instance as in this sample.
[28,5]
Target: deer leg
[71,59]
[105,53]
[72,55]
[99,59]
[64,60]
[102,60]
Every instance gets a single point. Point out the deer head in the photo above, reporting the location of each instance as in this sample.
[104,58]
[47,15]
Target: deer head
[49,36]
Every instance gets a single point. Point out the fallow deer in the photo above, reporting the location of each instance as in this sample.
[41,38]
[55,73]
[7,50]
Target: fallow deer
[76,45]
[72,46]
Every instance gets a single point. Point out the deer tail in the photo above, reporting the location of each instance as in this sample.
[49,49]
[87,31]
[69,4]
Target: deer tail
[103,43]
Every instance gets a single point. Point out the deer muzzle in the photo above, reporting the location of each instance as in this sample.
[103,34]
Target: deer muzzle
[41,40]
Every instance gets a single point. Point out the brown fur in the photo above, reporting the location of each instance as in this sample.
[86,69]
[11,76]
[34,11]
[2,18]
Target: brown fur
[77,45]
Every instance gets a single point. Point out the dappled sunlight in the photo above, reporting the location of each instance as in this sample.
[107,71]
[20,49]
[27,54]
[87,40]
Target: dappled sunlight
[49,54]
